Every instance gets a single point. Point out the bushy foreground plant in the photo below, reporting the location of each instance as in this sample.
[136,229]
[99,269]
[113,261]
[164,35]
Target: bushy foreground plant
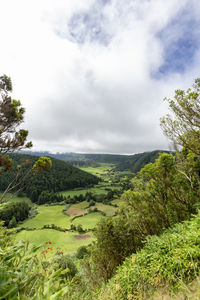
[25,275]
[171,260]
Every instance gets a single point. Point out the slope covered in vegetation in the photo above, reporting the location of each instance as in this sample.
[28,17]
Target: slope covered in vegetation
[62,176]
[170,261]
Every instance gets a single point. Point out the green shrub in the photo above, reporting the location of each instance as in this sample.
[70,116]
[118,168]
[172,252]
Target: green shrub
[81,252]
[12,223]
[64,262]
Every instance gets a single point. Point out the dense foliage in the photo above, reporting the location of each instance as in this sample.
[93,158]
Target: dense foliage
[183,127]
[24,275]
[11,116]
[135,163]
[50,197]
[13,212]
[171,260]
[92,198]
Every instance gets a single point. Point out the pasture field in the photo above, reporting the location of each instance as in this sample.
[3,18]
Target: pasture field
[65,241]
[48,215]
[99,171]
[82,204]
[88,221]
[107,209]
[98,189]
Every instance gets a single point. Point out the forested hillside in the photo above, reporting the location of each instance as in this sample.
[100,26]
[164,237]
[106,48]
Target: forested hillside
[135,163]
[62,176]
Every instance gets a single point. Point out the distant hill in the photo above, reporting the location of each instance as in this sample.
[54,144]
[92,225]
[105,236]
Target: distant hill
[131,163]
[62,176]
[62,156]
[136,162]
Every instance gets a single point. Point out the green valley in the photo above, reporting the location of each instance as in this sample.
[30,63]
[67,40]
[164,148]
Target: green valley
[105,227]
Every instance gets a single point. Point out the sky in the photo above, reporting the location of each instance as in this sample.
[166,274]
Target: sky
[92,74]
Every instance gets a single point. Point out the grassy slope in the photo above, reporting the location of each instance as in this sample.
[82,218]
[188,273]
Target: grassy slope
[166,265]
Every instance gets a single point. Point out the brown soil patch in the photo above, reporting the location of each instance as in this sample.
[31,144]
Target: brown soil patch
[82,236]
[75,211]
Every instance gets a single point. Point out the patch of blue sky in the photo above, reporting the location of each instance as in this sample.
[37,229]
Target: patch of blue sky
[181,41]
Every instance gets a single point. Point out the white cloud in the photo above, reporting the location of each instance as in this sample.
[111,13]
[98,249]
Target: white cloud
[89,95]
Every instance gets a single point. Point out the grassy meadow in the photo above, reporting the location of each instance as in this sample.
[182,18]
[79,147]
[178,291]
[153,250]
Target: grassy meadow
[49,215]
[88,221]
[101,170]
[98,189]
[65,241]
[107,209]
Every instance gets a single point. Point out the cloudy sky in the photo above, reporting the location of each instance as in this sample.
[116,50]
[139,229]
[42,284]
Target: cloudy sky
[92,74]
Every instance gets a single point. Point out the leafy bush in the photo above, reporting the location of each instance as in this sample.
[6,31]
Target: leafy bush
[81,252]
[64,262]
[18,209]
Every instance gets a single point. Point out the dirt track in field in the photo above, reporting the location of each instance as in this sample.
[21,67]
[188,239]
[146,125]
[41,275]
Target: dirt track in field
[82,236]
